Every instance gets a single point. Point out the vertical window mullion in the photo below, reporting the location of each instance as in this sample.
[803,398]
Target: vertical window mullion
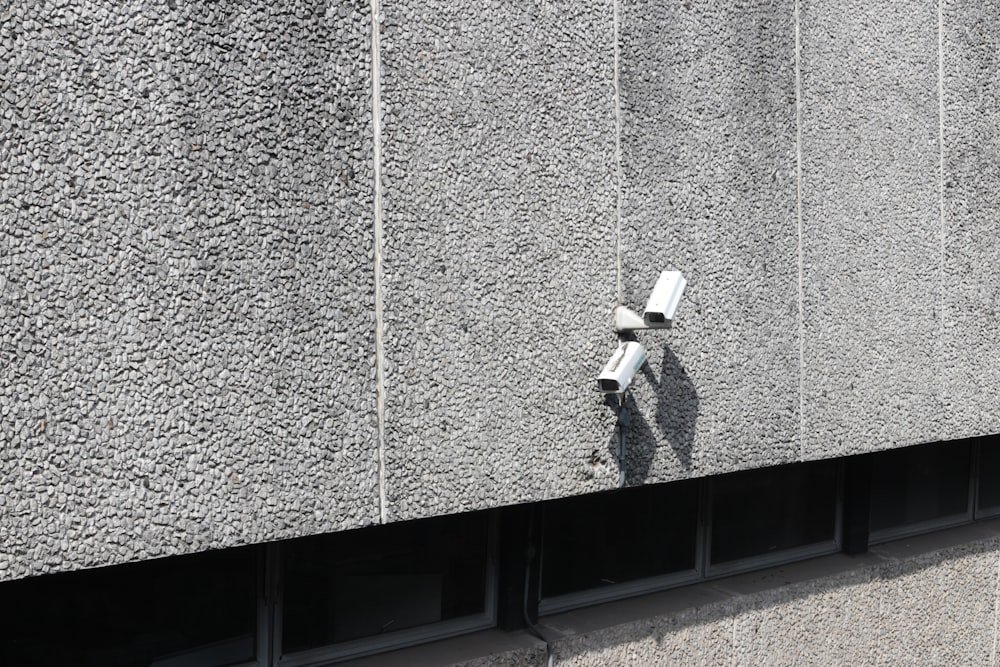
[857,504]
[263,609]
[974,470]
[704,539]
[492,597]
[273,612]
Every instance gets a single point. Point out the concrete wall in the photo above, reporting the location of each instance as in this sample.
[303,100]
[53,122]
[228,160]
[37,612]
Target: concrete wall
[971,113]
[709,187]
[872,337]
[499,216]
[189,297]
[186,285]
[901,604]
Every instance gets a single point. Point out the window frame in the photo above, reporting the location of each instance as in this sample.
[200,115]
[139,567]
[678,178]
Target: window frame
[365,646]
[594,596]
[883,535]
[785,556]
[703,569]
[197,657]
[556,604]
[977,472]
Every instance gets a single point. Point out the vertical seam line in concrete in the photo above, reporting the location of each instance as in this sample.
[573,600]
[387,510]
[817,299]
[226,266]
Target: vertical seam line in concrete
[379,344]
[996,617]
[941,274]
[618,153]
[733,655]
[880,625]
[798,220]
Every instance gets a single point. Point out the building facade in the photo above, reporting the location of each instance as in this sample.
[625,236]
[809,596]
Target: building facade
[277,270]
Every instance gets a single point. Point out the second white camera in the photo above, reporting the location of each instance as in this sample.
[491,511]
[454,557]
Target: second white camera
[621,368]
[662,304]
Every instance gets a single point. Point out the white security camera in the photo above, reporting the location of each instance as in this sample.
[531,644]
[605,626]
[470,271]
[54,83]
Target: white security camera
[660,308]
[620,369]
[662,304]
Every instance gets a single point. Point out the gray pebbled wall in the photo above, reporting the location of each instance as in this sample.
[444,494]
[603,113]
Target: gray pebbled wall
[971,60]
[499,214]
[709,188]
[932,608]
[187,254]
[186,284]
[871,227]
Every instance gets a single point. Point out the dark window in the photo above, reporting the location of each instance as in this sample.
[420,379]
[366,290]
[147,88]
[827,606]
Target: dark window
[198,609]
[348,594]
[374,581]
[989,476]
[766,511]
[610,538]
[916,485]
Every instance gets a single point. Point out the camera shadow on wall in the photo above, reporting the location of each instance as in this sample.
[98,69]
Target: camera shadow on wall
[672,420]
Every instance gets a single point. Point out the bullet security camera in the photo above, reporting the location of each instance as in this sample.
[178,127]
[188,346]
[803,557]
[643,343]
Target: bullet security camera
[620,369]
[660,308]
[662,304]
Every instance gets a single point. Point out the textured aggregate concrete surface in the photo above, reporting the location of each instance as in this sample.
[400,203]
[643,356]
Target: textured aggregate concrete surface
[824,622]
[691,638]
[971,64]
[518,658]
[709,167]
[940,611]
[871,226]
[499,217]
[186,285]
[187,254]
[936,608]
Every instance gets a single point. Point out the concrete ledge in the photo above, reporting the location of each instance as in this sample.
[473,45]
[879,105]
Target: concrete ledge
[493,647]
[733,617]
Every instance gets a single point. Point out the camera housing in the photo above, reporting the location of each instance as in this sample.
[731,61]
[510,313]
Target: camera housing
[621,368]
[662,304]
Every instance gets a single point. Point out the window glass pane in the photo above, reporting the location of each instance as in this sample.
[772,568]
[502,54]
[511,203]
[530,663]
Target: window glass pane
[609,538]
[373,581]
[765,511]
[918,484]
[989,474]
[173,612]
